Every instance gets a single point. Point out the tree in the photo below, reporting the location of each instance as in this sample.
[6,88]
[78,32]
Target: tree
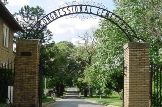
[107,70]
[84,56]
[4,2]
[27,17]
[60,70]
[144,16]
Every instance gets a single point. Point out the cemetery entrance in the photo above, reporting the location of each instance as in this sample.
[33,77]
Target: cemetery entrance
[27,90]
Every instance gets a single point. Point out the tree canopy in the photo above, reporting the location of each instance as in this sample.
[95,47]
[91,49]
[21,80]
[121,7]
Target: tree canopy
[27,17]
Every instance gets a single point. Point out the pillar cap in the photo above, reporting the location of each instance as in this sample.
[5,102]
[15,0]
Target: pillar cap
[28,41]
[137,45]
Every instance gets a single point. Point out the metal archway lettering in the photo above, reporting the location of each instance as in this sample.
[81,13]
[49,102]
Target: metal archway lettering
[85,9]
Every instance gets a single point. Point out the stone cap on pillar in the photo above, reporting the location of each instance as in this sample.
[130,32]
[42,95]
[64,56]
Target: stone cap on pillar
[28,41]
[137,45]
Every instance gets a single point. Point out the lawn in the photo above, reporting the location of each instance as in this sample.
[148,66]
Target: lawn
[116,101]
[113,99]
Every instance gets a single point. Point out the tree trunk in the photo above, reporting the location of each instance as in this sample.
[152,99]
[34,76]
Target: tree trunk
[57,90]
[85,92]
[90,92]
[81,91]
[61,89]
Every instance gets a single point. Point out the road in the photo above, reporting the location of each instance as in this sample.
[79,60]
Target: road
[72,100]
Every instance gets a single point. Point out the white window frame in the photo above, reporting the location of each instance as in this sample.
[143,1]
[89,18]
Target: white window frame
[5,35]
[4,65]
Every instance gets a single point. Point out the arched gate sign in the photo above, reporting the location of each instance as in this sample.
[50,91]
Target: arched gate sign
[32,46]
[85,9]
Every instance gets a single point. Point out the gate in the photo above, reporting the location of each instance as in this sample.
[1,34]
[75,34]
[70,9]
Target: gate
[40,84]
[6,79]
[156,89]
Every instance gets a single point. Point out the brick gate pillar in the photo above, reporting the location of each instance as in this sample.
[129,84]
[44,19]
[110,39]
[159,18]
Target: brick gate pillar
[26,73]
[136,79]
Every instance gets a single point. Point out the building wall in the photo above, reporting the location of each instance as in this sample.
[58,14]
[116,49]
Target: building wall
[6,53]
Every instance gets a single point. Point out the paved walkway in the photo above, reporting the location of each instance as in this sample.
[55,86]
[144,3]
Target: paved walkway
[72,100]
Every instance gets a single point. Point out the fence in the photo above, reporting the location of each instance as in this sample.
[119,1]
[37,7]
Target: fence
[156,89]
[6,79]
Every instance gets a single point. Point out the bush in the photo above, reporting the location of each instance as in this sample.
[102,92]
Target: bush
[156,102]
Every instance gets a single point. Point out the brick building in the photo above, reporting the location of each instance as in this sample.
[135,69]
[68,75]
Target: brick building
[8,26]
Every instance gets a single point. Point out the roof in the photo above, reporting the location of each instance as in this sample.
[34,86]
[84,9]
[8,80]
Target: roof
[8,17]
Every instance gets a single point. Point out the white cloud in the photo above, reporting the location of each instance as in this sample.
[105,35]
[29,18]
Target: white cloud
[18,2]
[77,41]
[63,25]
[62,2]
[87,24]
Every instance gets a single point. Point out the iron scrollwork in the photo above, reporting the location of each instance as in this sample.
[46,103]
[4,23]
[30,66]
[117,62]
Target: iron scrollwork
[77,8]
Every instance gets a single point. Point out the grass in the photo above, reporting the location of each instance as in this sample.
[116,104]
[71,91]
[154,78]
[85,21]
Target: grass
[116,101]
[2,105]
[48,99]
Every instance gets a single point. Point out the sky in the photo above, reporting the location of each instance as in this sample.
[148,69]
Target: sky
[64,28]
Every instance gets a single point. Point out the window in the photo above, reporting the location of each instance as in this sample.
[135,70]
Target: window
[5,35]
[3,65]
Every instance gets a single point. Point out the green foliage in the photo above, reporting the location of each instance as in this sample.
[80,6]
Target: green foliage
[156,85]
[27,17]
[84,56]
[69,63]
[61,69]
[107,71]
[145,18]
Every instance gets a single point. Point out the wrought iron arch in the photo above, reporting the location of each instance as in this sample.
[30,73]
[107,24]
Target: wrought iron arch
[84,9]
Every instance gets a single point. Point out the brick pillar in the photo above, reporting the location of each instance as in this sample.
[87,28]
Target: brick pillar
[136,79]
[26,73]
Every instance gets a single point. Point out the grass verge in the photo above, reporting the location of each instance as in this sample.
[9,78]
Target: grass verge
[48,99]
[116,101]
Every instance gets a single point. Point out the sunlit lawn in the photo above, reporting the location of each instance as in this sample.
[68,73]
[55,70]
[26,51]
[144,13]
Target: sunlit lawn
[107,101]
